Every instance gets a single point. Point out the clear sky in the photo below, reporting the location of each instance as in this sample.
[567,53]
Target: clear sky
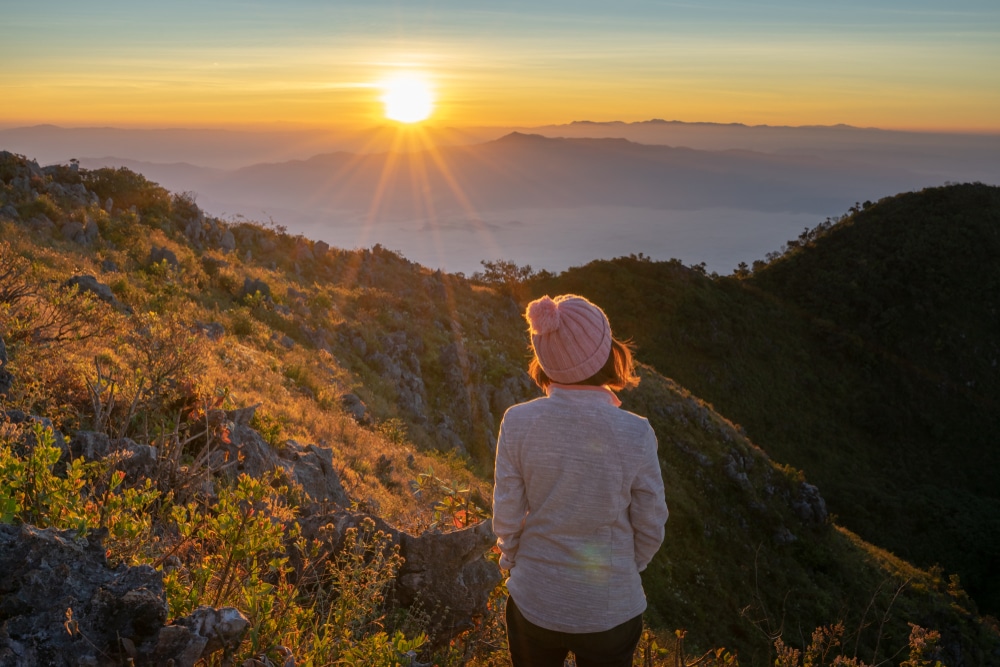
[910,64]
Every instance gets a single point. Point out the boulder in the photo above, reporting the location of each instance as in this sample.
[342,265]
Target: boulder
[356,408]
[138,461]
[159,254]
[98,289]
[253,285]
[809,505]
[448,576]
[62,605]
[73,231]
[312,468]
[445,575]
[228,241]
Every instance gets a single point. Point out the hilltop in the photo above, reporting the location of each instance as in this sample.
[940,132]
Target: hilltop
[146,337]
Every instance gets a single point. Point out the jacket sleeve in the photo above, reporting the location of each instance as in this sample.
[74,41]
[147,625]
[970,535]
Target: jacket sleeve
[648,509]
[510,506]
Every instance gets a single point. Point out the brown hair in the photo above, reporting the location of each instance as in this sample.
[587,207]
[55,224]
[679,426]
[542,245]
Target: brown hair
[617,373]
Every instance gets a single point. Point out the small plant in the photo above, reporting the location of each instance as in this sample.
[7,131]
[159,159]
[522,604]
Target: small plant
[84,497]
[453,506]
[351,606]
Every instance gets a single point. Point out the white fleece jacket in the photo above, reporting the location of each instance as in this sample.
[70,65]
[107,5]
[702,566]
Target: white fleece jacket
[578,508]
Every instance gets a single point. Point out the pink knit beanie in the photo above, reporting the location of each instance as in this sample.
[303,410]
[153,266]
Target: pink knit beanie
[570,335]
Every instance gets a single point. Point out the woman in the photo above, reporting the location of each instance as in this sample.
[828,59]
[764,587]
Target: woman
[578,504]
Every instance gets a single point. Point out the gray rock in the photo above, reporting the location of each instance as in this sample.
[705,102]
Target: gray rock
[8,211]
[356,408]
[98,289]
[312,467]
[809,505]
[228,241]
[253,285]
[302,251]
[386,366]
[160,253]
[63,605]
[91,232]
[73,231]
[91,445]
[784,536]
[109,266]
[359,346]
[444,574]
[247,452]
[138,461]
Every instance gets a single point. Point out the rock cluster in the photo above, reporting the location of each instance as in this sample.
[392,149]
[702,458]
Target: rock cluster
[61,604]
[444,575]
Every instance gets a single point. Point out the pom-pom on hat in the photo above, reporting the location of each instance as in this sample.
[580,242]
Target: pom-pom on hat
[570,335]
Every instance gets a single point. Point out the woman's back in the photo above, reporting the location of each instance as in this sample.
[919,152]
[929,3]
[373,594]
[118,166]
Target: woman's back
[580,457]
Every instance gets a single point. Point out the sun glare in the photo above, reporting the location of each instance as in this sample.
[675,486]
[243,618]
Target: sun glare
[407,98]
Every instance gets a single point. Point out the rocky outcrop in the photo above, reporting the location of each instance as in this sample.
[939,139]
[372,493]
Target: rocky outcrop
[84,233]
[61,604]
[252,286]
[356,408]
[138,461]
[247,452]
[162,254]
[97,288]
[444,575]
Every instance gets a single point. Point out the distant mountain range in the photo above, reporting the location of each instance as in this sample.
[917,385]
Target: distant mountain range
[532,171]
[695,191]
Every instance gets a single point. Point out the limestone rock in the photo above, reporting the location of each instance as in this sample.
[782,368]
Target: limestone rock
[356,408]
[62,605]
[159,254]
[228,241]
[253,285]
[312,467]
[444,574]
[98,289]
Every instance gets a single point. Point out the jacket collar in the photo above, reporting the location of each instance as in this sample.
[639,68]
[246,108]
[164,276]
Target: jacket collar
[597,392]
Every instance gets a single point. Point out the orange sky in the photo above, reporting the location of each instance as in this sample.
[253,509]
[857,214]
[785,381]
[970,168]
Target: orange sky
[317,64]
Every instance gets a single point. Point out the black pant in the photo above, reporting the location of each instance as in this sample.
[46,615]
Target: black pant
[534,646]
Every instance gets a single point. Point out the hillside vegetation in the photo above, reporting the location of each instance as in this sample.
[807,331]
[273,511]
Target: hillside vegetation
[866,354]
[197,348]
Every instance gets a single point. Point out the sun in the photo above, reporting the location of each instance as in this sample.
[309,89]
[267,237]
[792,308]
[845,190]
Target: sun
[407,98]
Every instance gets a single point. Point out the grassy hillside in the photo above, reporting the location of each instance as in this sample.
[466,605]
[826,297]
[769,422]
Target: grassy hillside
[402,374]
[865,355]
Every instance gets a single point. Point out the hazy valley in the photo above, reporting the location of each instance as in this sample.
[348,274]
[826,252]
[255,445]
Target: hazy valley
[552,197]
